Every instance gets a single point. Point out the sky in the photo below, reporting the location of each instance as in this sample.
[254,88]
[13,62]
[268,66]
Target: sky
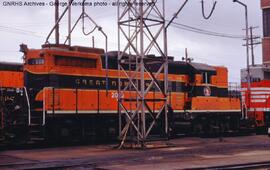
[31,24]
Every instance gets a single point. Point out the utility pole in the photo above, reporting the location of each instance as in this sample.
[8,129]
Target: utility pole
[252,46]
[56,22]
[247,50]
[69,21]
[252,43]
[247,41]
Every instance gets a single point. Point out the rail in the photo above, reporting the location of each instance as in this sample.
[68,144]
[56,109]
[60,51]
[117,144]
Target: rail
[49,164]
[253,165]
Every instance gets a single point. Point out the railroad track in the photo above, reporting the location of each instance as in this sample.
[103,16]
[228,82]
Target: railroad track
[67,164]
[91,166]
[254,165]
[130,158]
[7,146]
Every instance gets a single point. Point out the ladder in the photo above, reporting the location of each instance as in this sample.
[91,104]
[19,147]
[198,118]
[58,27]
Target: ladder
[36,120]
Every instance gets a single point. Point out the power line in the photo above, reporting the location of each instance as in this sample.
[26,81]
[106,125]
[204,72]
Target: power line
[9,51]
[18,31]
[15,29]
[205,32]
[21,33]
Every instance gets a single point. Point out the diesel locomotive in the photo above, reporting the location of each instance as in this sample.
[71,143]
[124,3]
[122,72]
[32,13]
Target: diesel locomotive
[65,93]
[13,104]
[256,79]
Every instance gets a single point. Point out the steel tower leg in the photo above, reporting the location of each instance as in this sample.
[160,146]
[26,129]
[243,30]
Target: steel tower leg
[141,32]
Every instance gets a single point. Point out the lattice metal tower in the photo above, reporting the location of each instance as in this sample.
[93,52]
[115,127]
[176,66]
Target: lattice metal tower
[143,78]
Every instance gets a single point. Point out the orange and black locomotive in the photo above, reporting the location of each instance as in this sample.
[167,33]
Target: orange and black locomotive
[68,92]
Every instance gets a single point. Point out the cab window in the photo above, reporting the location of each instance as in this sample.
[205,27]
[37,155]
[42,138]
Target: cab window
[36,61]
[266,22]
[206,78]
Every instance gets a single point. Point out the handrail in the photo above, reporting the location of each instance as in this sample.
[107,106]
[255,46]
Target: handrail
[44,105]
[1,110]
[43,109]
[29,107]
[244,111]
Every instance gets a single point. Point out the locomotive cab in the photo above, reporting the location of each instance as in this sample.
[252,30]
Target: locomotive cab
[209,107]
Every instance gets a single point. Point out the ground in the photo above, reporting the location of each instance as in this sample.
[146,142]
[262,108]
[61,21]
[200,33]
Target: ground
[182,153]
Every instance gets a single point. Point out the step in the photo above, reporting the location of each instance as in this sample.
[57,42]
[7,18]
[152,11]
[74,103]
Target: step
[36,110]
[182,123]
[22,115]
[35,124]
[37,139]
[30,142]
[36,118]
[35,131]
[2,138]
[36,113]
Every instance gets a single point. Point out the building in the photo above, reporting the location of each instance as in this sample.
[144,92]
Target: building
[261,71]
[265,4]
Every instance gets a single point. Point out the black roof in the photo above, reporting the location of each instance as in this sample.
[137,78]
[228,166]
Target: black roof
[200,67]
[11,66]
[175,67]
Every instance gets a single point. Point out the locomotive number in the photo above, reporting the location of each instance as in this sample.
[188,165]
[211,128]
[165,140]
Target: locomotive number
[115,95]
[7,98]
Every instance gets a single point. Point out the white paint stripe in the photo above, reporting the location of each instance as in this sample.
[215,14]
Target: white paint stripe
[259,109]
[258,101]
[260,92]
[81,111]
[86,111]
[259,97]
[256,88]
[261,88]
[115,111]
[196,111]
